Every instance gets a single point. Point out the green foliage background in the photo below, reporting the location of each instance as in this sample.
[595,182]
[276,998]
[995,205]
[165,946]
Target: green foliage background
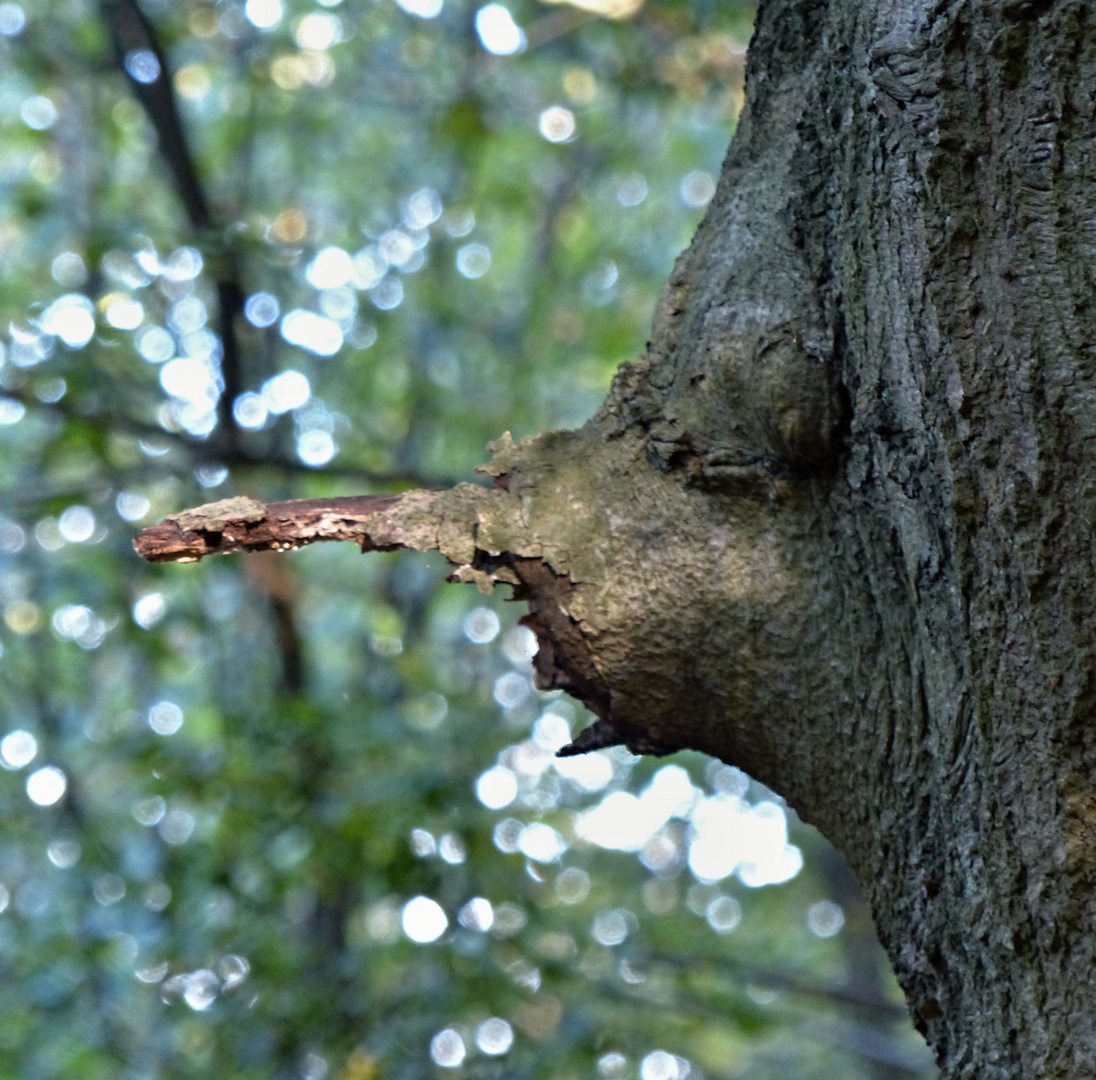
[226,900]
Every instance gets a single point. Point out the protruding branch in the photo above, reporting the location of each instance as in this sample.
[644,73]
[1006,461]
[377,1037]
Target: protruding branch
[424,520]
[243,524]
[483,532]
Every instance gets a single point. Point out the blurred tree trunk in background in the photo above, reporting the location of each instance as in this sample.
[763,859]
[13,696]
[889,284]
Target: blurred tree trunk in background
[835,526]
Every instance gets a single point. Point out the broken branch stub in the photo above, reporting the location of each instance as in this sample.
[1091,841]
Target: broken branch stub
[674,614]
[444,521]
[423,520]
[243,524]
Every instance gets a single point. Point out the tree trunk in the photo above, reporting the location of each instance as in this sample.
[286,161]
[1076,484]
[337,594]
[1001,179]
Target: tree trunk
[835,526]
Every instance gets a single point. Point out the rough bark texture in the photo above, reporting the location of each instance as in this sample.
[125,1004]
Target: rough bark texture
[836,526]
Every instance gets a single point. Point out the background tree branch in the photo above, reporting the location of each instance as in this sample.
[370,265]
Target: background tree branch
[131,32]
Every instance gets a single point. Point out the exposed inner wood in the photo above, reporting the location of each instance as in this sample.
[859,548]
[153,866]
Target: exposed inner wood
[282,526]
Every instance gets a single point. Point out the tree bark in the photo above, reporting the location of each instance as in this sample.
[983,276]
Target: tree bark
[835,526]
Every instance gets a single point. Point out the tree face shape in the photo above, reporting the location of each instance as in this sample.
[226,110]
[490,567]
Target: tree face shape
[287,252]
[889,585]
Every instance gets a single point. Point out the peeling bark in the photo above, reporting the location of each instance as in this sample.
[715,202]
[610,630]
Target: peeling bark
[835,526]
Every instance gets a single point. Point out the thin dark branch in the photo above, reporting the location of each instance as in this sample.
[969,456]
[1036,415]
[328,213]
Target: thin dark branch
[740,973]
[863,1040]
[131,30]
[555,25]
[206,452]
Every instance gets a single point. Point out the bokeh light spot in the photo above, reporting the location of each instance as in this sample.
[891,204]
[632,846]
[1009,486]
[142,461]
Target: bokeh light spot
[423,843]
[68,269]
[249,410]
[474,260]
[290,227]
[452,850]
[46,786]
[590,772]
[156,897]
[176,826]
[155,344]
[612,1066]
[496,788]
[149,610]
[519,645]
[572,886]
[426,712]
[263,14]
[23,616]
[287,390]
[131,505]
[11,411]
[696,189]
[421,9]
[447,1049]
[38,113]
[211,475]
[387,294]
[192,82]
[70,318]
[507,835]
[557,124]
[262,309]
[610,928]
[579,84]
[313,332]
[150,811]
[63,853]
[76,524]
[477,914]
[165,718]
[494,1036]
[724,913]
[511,689]
[659,1065]
[142,65]
[330,268]
[541,843]
[421,209]
[187,315]
[498,33]
[318,31]
[509,920]
[201,989]
[184,264]
[12,19]
[481,626]
[315,448]
[75,622]
[108,889]
[825,919]
[369,267]
[396,247]
[123,312]
[423,920]
[18,748]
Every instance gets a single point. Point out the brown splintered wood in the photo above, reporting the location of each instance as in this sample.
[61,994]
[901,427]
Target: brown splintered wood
[243,524]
